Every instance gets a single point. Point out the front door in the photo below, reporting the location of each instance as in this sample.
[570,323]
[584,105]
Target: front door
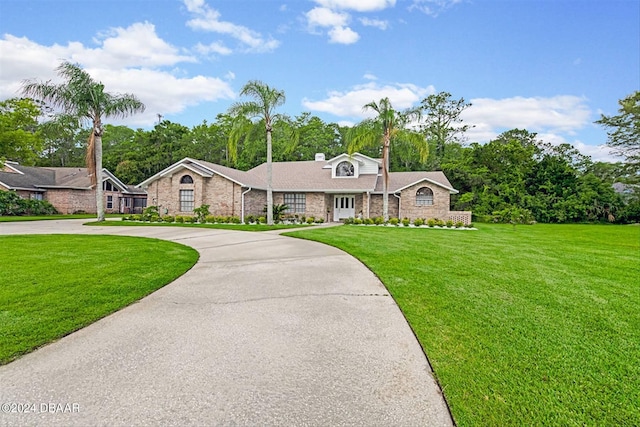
[344,207]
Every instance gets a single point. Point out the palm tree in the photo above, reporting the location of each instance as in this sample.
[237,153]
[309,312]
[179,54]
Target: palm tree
[265,100]
[389,125]
[85,99]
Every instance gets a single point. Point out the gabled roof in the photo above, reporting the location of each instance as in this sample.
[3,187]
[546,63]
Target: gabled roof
[204,169]
[304,176]
[361,158]
[312,176]
[39,179]
[398,181]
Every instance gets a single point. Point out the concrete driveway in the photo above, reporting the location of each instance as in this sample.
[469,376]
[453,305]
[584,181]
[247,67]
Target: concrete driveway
[264,330]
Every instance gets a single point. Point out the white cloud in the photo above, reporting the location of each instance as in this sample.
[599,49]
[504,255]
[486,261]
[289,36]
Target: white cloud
[162,92]
[215,47]
[562,114]
[136,45]
[350,103]
[339,32]
[329,14]
[323,17]
[121,70]
[556,120]
[369,76]
[343,35]
[377,23]
[357,5]
[207,19]
[433,7]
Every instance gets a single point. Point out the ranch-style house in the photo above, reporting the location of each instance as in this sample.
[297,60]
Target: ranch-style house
[69,190]
[335,189]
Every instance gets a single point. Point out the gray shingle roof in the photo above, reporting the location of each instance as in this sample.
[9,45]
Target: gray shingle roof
[400,180]
[40,178]
[311,176]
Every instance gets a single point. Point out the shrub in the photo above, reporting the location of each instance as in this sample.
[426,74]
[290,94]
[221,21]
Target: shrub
[210,219]
[179,219]
[418,222]
[459,224]
[470,225]
[394,221]
[155,218]
[406,222]
[235,220]
[249,219]
[303,219]
[449,223]
[277,210]
[514,215]
[11,204]
[440,223]
[262,220]
[432,222]
[368,221]
[168,218]
[378,220]
[201,213]
[149,212]
[310,220]
[349,220]
[357,221]
[319,220]
[191,219]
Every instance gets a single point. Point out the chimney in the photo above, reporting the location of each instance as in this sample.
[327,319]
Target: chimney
[319,157]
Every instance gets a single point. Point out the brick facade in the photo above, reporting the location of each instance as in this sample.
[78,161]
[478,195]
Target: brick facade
[375,208]
[222,195]
[439,209]
[68,201]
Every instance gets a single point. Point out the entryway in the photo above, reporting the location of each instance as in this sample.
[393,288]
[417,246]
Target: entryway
[344,207]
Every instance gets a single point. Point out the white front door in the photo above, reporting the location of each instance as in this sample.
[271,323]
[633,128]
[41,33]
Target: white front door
[344,207]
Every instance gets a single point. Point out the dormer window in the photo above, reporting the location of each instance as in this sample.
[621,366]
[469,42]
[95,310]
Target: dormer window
[186,179]
[345,169]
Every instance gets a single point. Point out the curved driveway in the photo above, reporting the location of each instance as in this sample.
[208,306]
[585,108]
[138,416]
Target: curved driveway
[263,330]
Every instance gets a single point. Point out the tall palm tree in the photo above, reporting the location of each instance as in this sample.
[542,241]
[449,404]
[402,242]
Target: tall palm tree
[85,99]
[265,101]
[388,125]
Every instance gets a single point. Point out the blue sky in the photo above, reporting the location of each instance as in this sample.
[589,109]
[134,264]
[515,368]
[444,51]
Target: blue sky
[550,66]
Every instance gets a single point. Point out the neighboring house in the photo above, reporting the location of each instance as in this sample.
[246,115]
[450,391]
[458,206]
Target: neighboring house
[335,189]
[69,189]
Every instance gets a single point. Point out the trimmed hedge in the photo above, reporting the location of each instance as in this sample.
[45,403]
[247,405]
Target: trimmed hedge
[11,204]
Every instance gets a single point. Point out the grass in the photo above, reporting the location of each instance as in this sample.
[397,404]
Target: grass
[52,285]
[51,217]
[538,325]
[235,227]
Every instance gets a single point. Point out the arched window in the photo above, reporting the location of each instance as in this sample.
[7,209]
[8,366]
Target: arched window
[344,169]
[186,179]
[424,197]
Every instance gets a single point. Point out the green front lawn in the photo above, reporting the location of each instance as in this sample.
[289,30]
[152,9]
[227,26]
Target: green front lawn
[234,227]
[537,325]
[50,217]
[52,285]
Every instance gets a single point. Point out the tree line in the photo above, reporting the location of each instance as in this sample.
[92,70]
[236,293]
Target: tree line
[514,175]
